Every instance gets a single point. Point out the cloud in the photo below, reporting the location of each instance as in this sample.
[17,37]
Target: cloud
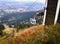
[42,1]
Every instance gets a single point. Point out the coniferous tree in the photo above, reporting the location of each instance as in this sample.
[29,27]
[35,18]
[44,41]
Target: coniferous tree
[1,28]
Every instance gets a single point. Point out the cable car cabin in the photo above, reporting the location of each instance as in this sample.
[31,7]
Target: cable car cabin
[51,11]
[58,17]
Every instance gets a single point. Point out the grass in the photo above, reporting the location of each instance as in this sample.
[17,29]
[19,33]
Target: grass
[35,35]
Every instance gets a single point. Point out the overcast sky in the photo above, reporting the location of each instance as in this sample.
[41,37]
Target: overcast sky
[42,1]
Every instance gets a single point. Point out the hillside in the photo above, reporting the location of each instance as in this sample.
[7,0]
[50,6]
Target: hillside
[36,35]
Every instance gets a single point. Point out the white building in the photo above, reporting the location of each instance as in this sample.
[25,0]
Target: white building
[5,25]
[33,21]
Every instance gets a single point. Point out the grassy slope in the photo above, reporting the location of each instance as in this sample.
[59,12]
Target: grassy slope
[36,35]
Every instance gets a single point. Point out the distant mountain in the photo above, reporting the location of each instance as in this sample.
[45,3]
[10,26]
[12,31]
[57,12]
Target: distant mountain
[16,18]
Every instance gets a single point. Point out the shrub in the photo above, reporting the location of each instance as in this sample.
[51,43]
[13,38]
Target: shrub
[1,28]
[24,25]
[54,33]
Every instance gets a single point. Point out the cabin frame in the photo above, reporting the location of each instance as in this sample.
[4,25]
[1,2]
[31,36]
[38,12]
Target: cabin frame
[51,12]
